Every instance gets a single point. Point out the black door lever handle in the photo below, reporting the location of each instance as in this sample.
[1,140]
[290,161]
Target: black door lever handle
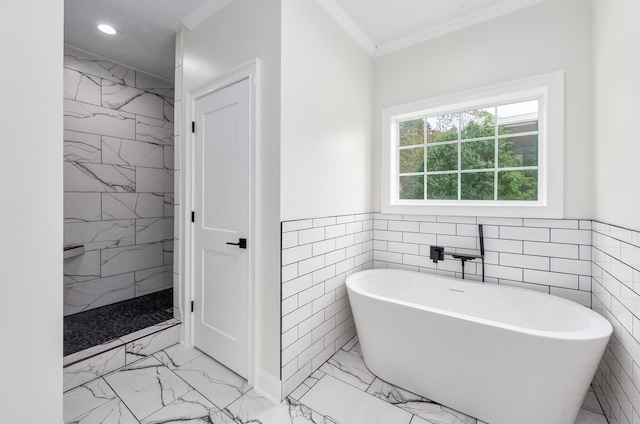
[242,243]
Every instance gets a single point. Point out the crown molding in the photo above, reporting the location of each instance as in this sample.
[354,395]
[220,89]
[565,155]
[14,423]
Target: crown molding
[345,21]
[203,12]
[211,7]
[458,24]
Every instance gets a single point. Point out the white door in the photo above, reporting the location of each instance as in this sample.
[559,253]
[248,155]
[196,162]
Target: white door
[221,216]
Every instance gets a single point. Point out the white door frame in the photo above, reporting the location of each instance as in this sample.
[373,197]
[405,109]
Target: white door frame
[250,71]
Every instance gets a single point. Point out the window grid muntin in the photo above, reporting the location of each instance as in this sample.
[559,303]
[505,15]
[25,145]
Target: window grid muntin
[496,137]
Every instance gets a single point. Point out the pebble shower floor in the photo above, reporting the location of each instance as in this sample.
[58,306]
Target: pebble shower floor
[101,325]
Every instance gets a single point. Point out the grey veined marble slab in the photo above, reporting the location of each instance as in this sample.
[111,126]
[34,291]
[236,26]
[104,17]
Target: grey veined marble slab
[82,207]
[132,205]
[154,180]
[112,412]
[252,408]
[216,382]
[155,85]
[147,386]
[349,405]
[93,119]
[96,178]
[430,411]
[154,279]
[191,407]
[129,99]
[89,64]
[322,399]
[350,368]
[154,130]
[82,268]
[131,258]
[85,371]
[153,230]
[85,398]
[100,235]
[81,87]
[86,295]
[82,147]
[121,151]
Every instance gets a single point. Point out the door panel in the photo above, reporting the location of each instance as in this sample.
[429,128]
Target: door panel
[221,206]
[219,300]
[222,125]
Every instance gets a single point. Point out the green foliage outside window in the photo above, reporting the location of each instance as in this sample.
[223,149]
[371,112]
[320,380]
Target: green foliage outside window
[513,152]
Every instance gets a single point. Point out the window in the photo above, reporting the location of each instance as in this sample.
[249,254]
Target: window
[496,151]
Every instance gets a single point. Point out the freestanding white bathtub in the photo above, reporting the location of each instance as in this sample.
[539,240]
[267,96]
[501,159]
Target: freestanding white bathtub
[500,354]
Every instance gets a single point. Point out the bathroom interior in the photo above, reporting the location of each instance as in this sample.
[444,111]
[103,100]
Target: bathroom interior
[318,216]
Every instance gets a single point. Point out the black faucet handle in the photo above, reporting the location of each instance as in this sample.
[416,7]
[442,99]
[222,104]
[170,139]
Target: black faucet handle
[436,253]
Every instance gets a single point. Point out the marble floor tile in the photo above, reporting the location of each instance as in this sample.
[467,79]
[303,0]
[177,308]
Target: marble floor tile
[90,352]
[350,344]
[152,329]
[152,343]
[350,368]
[348,405]
[112,412]
[303,388]
[177,355]
[96,366]
[189,408]
[356,350]
[86,398]
[216,382]
[252,408]
[589,417]
[147,386]
[429,411]
[154,391]
[591,402]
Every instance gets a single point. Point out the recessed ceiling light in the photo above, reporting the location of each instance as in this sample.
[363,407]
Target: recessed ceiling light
[107,29]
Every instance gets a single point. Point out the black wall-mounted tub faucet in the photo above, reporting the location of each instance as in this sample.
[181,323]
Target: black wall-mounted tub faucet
[436,253]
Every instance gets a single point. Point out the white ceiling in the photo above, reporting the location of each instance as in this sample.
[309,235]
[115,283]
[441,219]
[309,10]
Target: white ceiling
[147,27]
[147,31]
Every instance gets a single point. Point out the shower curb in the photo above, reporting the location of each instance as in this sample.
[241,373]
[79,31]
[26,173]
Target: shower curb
[84,366]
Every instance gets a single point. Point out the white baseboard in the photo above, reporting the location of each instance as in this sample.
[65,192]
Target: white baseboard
[268,386]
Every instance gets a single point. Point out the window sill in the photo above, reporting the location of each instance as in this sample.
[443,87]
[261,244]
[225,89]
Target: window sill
[530,210]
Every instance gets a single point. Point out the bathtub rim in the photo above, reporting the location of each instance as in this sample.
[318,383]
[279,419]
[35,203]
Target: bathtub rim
[599,327]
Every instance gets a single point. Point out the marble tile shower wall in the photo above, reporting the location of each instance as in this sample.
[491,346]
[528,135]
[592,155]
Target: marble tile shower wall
[616,295]
[118,182]
[317,255]
[551,256]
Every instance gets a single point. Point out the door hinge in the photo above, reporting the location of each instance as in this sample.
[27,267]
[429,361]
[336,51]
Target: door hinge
[192,306]
[193,126]
[193,216]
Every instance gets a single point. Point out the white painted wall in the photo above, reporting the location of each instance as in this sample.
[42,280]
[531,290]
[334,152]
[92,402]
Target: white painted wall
[617,90]
[31,212]
[326,116]
[240,32]
[550,36]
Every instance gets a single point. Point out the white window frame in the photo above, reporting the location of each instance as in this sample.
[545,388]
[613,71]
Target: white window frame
[549,88]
